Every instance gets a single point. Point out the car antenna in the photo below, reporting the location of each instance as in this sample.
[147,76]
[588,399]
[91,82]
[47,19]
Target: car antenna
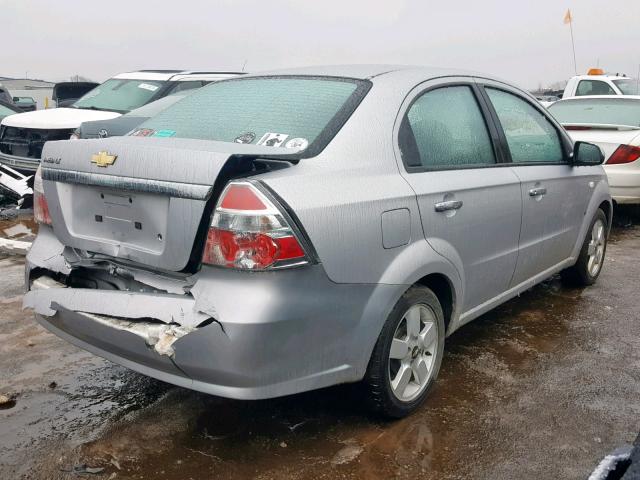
[244,64]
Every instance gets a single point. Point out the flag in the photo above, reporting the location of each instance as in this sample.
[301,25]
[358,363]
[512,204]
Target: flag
[567,17]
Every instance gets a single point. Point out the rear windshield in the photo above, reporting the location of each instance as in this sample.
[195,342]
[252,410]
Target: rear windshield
[281,112]
[599,111]
[628,86]
[119,95]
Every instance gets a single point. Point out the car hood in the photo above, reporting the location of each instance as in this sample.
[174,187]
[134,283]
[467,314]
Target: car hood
[56,118]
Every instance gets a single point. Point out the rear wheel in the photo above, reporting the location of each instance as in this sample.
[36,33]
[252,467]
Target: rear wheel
[407,356]
[589,265]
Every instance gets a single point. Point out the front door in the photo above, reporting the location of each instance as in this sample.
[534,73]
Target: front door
[469,201]
[554,194]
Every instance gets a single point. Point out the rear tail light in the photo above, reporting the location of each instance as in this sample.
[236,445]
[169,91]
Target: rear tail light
[624,154]
[40,205]
[249,232]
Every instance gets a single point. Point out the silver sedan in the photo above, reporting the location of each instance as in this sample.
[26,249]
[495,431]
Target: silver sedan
[292,230]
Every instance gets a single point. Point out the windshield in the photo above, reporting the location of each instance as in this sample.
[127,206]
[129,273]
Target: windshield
[4,111]
[155,107]
[628,86]
[598,111]
[119,95]
[286,112]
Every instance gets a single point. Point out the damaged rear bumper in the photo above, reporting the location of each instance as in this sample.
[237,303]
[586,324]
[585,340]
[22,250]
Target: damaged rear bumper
[236,334]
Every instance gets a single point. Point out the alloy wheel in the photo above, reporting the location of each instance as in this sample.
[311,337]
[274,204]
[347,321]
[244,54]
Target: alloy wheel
[412,352]
[596,247]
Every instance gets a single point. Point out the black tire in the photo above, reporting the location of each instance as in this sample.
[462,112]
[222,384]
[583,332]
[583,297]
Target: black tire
[579,274]
[377,381]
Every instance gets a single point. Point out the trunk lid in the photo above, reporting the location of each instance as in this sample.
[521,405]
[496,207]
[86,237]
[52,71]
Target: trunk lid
[608,139]
[147,201]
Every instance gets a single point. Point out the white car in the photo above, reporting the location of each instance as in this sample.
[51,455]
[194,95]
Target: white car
[597,83]
[22,136]
[613,123]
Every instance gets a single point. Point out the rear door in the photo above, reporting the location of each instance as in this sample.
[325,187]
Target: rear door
[469,200]
[554,193]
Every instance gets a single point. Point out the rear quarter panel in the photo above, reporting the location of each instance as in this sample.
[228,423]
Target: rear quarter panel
[340,196]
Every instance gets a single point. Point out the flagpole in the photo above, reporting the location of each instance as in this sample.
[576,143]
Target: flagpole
[573,45]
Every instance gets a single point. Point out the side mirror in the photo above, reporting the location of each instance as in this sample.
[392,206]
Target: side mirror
[587,154]
[16,99]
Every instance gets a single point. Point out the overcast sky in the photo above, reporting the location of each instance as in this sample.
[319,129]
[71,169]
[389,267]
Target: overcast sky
[526,44]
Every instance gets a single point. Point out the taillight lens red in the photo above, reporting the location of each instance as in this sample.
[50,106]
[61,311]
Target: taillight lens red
[624,154]
[40,205]
[248,232]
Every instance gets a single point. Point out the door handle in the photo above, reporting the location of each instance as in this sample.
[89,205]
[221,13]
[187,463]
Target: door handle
[449,205]
[536,192]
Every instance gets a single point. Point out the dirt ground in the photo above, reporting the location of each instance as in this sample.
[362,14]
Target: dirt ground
[541,388]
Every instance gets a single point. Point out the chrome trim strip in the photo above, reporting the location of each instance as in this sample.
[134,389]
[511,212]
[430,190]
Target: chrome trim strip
[24,163]
[191,191]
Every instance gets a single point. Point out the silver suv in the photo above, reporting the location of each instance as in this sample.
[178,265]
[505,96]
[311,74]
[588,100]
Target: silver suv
[283,232]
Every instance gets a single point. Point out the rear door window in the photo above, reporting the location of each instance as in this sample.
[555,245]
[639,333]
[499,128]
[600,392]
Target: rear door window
[444,128]
[531,137]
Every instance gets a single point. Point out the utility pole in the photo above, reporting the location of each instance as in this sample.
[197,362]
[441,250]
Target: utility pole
[569,19]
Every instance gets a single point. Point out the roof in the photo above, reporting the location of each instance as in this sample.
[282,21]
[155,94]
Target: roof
[363,72]
[393,76]
[175,75]
[606,76]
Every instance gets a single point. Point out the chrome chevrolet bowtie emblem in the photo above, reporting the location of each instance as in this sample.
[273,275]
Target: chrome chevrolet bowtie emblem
[103,159]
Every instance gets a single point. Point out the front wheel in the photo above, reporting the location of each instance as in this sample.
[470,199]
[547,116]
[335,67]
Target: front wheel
[407,356]
[589,265]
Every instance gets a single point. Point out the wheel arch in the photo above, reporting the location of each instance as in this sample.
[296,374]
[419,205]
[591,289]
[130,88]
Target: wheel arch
[443,288]
[607,208]
[600,198]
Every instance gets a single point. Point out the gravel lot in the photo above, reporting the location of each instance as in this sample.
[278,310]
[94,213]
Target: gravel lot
[543,387]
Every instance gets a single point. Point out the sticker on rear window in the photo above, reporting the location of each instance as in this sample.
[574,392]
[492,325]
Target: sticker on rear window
[247,137]
[147,86]
[272,139]
[143,132]
[300,143]
[164,133]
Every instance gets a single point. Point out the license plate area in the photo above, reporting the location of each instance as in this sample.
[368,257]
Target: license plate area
[130,219]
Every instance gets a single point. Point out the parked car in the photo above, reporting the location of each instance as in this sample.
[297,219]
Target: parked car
[13,184]
[613,123]
[283,232]
[119,126]
[7,109]
[25,104]
[597,82]
[66,94]
[22,136]
[546,100]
